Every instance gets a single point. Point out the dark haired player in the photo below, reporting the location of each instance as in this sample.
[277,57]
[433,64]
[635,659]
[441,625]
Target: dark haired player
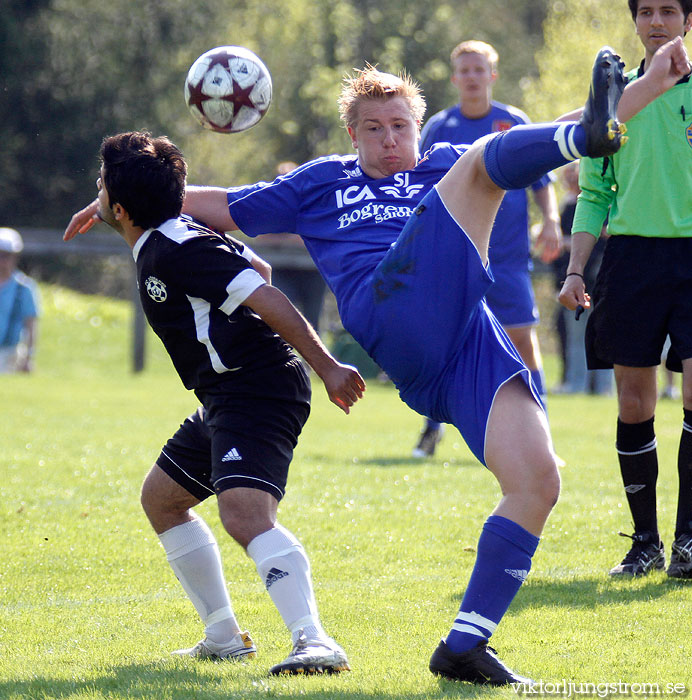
[207,297]
[648,188]
[403,243]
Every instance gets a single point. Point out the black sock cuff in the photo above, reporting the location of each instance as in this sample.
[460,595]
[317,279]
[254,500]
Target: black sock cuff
[632,437]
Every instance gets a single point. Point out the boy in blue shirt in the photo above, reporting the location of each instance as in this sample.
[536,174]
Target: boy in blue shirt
[18,307]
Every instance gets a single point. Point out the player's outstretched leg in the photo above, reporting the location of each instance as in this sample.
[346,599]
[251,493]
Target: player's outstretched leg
[516,158]
[518,451]
[604,134]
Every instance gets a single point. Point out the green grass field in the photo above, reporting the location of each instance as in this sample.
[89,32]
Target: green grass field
[90,609]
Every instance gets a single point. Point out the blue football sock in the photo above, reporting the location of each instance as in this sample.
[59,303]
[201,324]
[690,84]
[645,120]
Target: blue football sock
[432,424]
[516,158]
[502,564]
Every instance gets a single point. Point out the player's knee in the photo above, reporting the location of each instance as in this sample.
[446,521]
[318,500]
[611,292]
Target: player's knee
[635,406]
[246,513]
[148,495]
[243,530]
[549,485]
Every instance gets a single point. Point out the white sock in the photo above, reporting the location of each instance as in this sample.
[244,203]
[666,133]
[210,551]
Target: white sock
[284,568]
[194,557]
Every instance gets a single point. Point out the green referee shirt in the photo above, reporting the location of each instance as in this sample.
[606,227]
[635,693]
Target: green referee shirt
[647,184]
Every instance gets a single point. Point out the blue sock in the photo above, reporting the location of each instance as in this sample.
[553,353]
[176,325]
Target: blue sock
[539,381]
[516,158]
[432,424]
[502,564]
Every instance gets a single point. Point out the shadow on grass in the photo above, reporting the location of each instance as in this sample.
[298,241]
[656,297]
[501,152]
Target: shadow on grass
[590,592]
[407,461]
[157,681]
[412,461]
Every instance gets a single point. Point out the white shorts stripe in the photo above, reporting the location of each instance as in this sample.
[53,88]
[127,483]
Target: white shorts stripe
[253,478]
[189,476]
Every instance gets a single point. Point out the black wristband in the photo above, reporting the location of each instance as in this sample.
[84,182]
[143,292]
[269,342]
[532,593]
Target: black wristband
[574,274]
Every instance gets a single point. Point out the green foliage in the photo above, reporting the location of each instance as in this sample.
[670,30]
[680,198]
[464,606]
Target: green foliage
[76,71]
[91,609]
[574,31]
[309,46]
[73,71]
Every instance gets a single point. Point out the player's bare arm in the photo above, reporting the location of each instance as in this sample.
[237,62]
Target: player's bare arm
[209,204]
[549,240]
[668,65]
[262,267]
[573,292]
[343,383]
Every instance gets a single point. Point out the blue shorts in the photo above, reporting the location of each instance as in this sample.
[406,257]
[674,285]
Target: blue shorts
[511,296]
[424,320]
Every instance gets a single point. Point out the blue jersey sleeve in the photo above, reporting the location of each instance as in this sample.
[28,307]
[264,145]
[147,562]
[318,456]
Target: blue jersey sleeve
[266,207]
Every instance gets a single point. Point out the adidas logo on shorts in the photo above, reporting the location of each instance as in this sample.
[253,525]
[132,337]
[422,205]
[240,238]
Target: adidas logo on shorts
[231,456]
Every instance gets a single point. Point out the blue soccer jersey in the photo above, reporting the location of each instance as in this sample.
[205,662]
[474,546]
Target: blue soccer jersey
[347,219]
[509,242]
[409,284]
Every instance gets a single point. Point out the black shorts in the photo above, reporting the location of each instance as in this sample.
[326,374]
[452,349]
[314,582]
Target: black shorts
[241,440]
[643,293]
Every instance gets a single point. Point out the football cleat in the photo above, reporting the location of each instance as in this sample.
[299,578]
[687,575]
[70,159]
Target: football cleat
[681,557]
[604,134]
[646,554]
[311,656]
[428,442]
[240,647]
[478,665]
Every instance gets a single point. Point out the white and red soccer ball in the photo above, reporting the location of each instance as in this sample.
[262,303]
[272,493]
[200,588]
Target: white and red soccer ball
[228,89]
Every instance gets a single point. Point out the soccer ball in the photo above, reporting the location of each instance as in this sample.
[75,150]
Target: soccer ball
[228,89]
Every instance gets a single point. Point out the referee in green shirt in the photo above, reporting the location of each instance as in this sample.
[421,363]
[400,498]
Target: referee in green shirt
[643,293]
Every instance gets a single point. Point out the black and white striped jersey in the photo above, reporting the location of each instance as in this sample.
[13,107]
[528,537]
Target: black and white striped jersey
[192,282]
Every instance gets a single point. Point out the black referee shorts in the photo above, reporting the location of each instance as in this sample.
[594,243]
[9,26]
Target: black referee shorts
[642,294]
[242,439]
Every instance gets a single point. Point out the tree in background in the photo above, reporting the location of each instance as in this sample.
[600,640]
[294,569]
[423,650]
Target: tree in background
[309,46]
[574,30]
[74,71]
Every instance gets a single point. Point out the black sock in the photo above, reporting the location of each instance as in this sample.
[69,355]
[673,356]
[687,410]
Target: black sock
[683,522]
[636,447]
